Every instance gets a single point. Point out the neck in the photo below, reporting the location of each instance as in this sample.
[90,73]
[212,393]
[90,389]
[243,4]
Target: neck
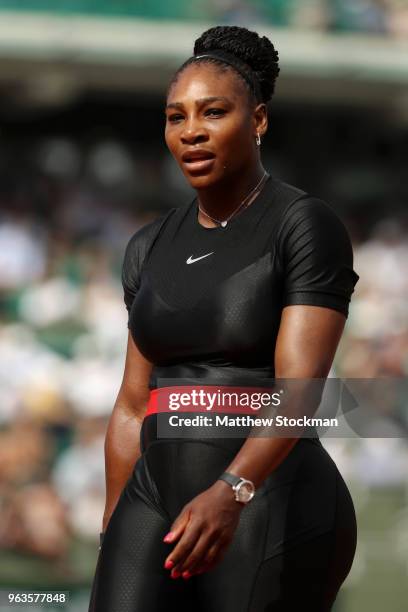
[220,200]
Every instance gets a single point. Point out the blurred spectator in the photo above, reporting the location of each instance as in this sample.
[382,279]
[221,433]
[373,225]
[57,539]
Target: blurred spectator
[377,331]
[359,15]
[67,212]
[22,251]
[24,453]
[79,477]
[34,521]
[380,17]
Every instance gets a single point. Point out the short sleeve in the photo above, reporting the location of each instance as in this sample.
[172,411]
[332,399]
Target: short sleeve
[135,253]
[317,257]
[131,268]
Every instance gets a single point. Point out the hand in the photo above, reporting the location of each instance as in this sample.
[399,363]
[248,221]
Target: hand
[204,528]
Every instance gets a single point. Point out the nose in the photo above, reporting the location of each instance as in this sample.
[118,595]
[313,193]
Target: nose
[193,133]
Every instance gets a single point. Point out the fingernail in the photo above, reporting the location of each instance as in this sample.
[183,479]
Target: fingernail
[168,537]
[169,564]
[175,574]
[186,575]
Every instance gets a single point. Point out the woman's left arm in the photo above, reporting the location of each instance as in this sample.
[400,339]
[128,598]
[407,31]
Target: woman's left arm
[307,341]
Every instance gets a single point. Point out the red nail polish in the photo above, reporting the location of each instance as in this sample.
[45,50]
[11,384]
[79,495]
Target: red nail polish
[169,564]
[186,575]
[175,574]
[168,537]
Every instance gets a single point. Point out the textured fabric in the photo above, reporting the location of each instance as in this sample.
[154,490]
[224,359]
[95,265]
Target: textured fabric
[216,320]
[224,309]
[300,528]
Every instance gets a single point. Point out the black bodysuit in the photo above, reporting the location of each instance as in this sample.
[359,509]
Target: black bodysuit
[205,304]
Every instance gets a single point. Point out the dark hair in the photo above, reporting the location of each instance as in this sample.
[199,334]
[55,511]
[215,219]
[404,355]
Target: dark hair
[254,59]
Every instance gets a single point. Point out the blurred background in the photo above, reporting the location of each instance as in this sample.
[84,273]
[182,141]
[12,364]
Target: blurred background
[83,165]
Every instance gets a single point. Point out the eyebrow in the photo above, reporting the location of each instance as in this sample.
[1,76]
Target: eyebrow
[200,101]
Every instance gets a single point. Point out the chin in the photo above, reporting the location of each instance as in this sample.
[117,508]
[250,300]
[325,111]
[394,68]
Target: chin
[203,181]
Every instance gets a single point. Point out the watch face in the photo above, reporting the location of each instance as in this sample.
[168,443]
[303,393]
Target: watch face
[245,492]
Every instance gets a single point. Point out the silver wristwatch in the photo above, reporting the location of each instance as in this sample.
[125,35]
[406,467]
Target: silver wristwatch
[244,489]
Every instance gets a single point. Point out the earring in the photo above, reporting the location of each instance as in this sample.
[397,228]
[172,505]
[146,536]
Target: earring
[258,139]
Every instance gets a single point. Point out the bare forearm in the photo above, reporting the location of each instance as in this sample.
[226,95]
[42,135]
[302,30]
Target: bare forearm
[122,449]
[258,457]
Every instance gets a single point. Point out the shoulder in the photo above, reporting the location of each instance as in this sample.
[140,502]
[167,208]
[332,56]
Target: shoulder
[316,256]
[311,217]
[140,241]
[312,207]
[293,208]
[284,192]
[139,245]
[136,251]
[142,235]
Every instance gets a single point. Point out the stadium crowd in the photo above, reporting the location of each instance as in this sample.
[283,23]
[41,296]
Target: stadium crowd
[377,17]
[65,217]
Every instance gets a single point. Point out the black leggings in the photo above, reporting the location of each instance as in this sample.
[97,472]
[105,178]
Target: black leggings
[292,550]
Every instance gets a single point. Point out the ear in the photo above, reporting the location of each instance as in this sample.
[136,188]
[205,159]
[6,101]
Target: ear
[260,118]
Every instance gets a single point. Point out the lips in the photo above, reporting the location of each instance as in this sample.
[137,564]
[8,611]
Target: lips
[198,161]
[197,155]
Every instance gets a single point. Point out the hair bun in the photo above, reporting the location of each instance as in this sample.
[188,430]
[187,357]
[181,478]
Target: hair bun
[259,53]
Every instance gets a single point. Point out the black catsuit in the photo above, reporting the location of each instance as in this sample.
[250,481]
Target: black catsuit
[217,319]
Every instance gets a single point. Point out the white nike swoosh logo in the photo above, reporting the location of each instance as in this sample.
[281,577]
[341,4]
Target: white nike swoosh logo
[190,260]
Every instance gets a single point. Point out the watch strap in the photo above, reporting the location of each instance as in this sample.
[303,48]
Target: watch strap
[230,478]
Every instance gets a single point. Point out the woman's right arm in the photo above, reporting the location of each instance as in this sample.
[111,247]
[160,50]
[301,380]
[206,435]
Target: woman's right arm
[122,448]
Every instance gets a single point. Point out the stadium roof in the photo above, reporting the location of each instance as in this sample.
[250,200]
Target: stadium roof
[80,52]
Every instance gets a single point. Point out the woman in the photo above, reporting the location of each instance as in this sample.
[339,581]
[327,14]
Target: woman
[249,281]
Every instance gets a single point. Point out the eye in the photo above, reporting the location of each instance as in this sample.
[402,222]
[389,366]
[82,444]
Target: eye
[174,117]
[215,112]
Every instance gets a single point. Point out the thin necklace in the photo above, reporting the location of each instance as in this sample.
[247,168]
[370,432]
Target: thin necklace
[247,200]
